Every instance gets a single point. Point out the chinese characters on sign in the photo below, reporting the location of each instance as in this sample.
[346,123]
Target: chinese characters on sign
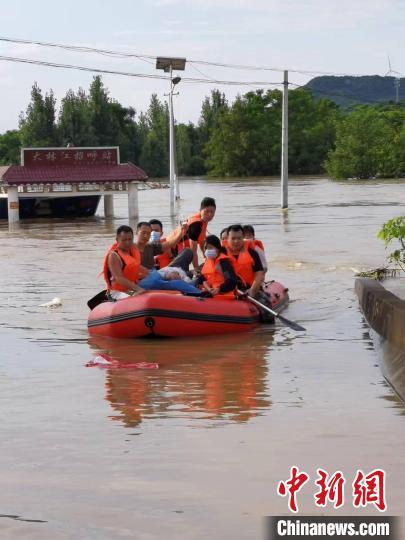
[70,156]
[367,489]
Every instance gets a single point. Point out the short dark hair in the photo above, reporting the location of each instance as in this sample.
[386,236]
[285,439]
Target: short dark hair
[224,230]
[156,222]
[207,201]
[213,240]
[248,229]
[235,228]
[124,229]
[142,224]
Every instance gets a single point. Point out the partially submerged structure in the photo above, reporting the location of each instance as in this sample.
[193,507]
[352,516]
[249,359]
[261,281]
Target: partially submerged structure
[385,314]
[67,182]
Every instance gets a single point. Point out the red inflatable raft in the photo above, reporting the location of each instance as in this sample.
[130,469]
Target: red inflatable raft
[172,314]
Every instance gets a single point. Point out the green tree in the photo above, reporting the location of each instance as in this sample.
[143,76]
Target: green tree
[184,149]
[10,148]
[212,108]
[312,131]
[154,158]
[100,114]
[370,141]
[394,231]
[74,119]
[125,132]
[246,137]
[37,125]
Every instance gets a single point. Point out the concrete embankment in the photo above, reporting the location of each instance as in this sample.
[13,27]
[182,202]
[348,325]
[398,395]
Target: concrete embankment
[385,314]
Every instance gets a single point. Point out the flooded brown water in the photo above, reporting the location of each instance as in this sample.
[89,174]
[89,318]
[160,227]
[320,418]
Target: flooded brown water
[194,449]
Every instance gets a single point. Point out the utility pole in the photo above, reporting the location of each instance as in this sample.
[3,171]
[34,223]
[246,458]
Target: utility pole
[168,65]
[172,147]
[284,144]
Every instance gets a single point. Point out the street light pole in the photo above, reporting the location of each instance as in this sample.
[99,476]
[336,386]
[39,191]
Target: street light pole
[284,144]
[171,146]
[168,65]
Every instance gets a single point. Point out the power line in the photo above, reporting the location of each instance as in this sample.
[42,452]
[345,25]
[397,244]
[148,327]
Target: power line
[131,74]
[79,48]
[81,68]
[149,58]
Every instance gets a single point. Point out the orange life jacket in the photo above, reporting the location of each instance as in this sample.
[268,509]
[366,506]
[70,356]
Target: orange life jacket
[182,244]
[203,233]
[131,266]
[258,243]
[163,259]
[212,272]
[244,263]
[224,243]
[185,241]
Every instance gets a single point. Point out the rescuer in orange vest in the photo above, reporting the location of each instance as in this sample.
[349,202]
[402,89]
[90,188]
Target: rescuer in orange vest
[223,235]
[217,273]
[165,258]
[197,226]
[249,234]
[246,261]
[149,250]
[196,233]
[122,264]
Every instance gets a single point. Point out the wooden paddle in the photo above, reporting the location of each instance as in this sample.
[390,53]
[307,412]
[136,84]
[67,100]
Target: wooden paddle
[287,322]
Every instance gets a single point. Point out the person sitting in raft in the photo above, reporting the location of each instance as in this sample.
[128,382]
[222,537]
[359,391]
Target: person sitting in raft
[122,264]
[224,236]
[246,261]
[249,234]
[217,273]
[166,257]
[149,249]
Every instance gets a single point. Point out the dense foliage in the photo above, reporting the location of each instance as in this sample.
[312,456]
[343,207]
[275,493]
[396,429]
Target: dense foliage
[242,138]
[394,231]
[370,142]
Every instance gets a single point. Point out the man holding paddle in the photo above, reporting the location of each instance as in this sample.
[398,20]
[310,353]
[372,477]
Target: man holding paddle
[246,261]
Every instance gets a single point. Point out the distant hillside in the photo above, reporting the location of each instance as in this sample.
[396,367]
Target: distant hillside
[346,91]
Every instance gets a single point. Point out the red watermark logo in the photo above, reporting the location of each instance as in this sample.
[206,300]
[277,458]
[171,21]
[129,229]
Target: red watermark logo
[367,489]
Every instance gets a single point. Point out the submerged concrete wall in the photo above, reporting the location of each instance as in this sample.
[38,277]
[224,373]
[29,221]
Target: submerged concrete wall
[385,314]
[384,311]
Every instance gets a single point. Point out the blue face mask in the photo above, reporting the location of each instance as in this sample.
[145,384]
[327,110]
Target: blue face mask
[155,236]
[211,253]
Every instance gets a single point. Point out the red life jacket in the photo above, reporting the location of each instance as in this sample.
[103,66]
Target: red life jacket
[131,265]
[244,263]
[212,272]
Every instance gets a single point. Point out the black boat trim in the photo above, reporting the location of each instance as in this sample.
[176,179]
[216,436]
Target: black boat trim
[166,313]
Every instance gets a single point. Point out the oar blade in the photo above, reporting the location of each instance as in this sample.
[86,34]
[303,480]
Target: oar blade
[291,324]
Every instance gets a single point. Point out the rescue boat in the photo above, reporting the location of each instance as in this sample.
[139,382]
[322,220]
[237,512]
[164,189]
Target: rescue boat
[173,314]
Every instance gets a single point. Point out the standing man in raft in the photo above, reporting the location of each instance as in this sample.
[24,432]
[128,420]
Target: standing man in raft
[197,227]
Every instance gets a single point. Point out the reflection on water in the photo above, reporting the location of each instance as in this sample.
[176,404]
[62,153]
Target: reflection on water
[218,378]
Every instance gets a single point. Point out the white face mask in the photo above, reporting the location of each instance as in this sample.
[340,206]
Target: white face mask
[155,236]
[211,253]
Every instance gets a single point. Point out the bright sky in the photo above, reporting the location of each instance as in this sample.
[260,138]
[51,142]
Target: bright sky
[345,36]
